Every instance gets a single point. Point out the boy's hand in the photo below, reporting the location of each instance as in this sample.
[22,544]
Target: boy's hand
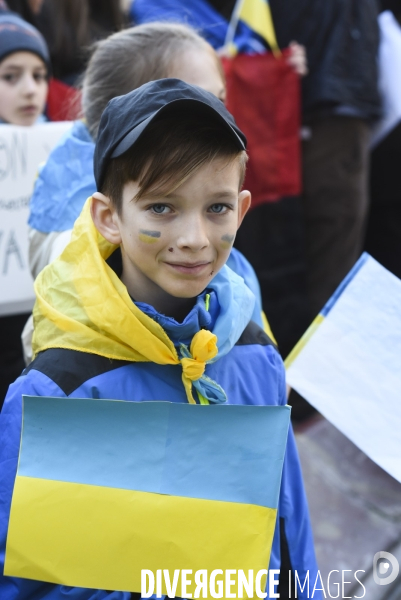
[297,59]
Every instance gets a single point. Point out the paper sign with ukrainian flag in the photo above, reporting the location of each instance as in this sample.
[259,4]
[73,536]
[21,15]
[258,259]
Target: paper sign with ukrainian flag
[348,363]
[107,488]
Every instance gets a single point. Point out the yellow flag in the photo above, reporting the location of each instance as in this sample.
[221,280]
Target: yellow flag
[257,15]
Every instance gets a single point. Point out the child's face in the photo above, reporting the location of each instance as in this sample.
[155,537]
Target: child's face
[174,245]
[23,88]
[199,67]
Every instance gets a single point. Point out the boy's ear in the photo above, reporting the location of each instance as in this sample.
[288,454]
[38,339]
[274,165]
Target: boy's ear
[105,218]
[244,203]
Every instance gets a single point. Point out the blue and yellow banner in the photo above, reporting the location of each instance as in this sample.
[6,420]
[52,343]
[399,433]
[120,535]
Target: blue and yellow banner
[107,488]
[249,30]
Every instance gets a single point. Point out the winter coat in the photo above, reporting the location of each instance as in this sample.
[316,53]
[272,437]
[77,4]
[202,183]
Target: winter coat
[341,39]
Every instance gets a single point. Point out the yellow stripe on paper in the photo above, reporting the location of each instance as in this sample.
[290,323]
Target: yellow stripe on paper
[98,537]
[303,341]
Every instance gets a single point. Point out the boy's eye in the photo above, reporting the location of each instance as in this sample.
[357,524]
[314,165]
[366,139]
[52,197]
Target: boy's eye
[219,208]
[160,209]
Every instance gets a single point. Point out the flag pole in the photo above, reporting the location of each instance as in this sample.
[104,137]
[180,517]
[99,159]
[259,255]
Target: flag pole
[232,27]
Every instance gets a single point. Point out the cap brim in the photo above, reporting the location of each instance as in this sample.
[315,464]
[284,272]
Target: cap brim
[132,136]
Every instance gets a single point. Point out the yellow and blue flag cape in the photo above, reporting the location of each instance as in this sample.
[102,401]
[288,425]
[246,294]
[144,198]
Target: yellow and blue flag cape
[106,488]
[81,304]
[250,29]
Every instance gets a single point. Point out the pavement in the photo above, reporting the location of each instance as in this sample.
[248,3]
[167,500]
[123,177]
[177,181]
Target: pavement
[355,510]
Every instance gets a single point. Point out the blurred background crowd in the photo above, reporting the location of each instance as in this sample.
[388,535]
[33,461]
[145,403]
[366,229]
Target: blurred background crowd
[311,96]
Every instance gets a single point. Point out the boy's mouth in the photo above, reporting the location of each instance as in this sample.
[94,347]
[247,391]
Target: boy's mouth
[29,109]
[189,268]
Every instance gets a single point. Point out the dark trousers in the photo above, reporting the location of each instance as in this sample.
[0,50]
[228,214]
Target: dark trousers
[335,201]
[272,238]
[383,236]
[11,356]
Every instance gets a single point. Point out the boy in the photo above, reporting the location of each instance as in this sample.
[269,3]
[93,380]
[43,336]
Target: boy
[140,305]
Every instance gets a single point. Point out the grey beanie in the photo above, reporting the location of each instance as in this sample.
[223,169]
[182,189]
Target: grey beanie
[16,35]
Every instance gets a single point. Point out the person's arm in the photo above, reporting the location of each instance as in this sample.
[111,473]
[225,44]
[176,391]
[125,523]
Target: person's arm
[45,247]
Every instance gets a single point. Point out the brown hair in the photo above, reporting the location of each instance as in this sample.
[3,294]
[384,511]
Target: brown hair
[168,153]
[128,59]
[70,28]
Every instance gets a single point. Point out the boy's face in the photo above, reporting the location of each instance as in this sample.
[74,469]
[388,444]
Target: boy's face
[174,245]
[23,88]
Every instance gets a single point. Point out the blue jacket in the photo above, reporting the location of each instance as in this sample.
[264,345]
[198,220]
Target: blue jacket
[250,371]
[66,180]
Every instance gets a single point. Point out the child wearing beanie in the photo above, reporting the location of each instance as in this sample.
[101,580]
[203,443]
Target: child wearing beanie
[24,71]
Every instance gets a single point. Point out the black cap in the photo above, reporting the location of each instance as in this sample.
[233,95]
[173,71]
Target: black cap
[126,117]
[16,35]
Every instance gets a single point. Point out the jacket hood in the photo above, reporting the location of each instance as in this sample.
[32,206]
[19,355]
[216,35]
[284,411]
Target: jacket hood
[82,305]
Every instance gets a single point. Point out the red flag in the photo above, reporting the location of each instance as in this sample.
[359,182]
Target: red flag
[63,101]
[263,94]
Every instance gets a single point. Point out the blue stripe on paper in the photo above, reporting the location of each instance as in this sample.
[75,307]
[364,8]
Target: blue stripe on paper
[227,453]
[331,302]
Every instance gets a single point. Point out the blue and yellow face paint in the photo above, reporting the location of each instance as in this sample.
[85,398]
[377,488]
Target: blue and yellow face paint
[227,241]
[106,488]
[148,236]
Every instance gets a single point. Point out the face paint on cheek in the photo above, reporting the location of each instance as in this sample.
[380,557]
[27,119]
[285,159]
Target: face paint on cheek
[227,241]
[149,237]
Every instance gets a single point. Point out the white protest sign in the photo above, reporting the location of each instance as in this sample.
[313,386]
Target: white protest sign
[22,150]
[348,364]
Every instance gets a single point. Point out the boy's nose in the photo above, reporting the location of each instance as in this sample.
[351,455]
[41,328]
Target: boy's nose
[30,85]
[193,235]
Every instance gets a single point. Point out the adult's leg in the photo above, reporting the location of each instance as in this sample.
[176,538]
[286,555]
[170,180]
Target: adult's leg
[383,235]
[335,171]
[271,237]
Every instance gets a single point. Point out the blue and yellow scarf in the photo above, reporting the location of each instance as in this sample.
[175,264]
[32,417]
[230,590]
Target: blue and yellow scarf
[82,305]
